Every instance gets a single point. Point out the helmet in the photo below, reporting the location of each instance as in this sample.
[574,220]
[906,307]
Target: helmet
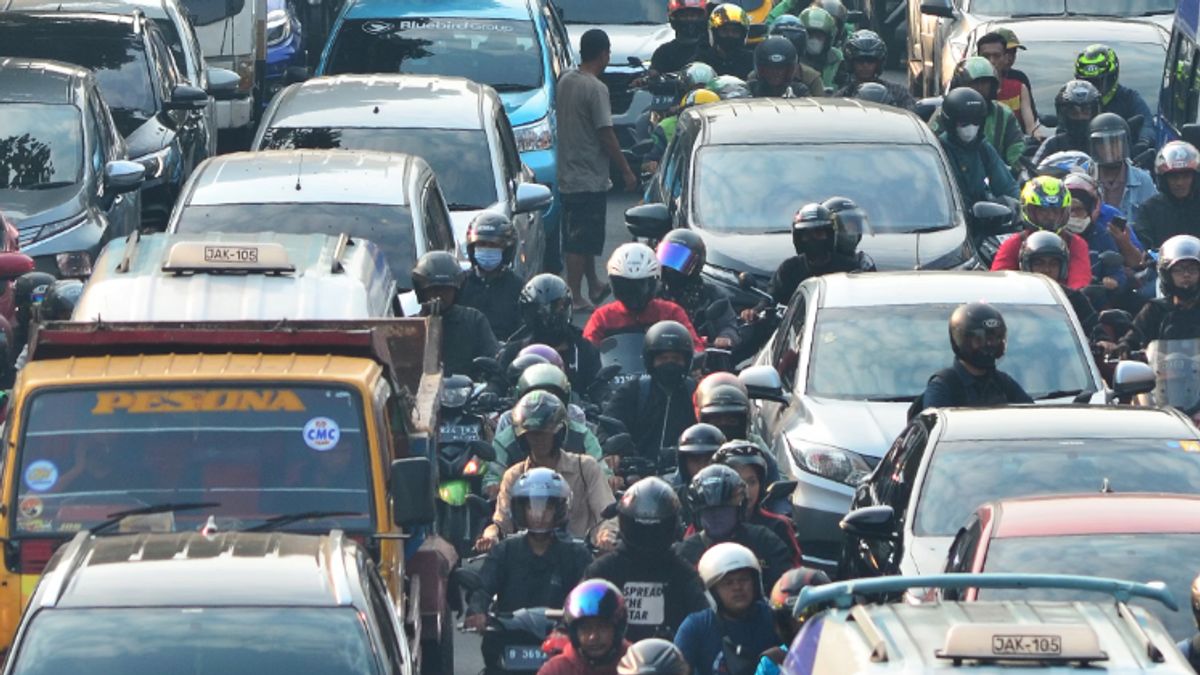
[633,271]
[544,377]
[726,15]
[817,20]
[964,111]
[1175,157]
[546,352]
[682,253]
[1077,103]
[849,222]
[873,92]
[865,44]
[456,391]
[546,307]
[700,439]
[786,592]
[648,515]
[1045,203]
[60,300]
[1067,161]
[1108,139]
[723,400]
[540,411]
[698,97]
[436,269]
[1044,244]
[729,87]
[716,485]
[596,599]
[697,75]
[789,26]
[720,560]
[30,289]
[1084,191]
[521,363]
[743,453]
[775,52]
[653,656]
[664,337]
[687,19]
[1098,64]
[978,334]
[973,69]
[1175,250]
[494,230]
[535,492]
[809,219]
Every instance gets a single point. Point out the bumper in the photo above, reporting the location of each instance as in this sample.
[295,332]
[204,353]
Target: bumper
[544,164]
[235,114]
[818,505]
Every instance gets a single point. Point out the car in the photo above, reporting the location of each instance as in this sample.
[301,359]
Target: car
[238,277]
[391,199]
[160,115]
[854,350]
[66,182]
[286,49]
[231,602]
[948,461]
[855,635]
[1179,105]
[939,32]
[517,47]
[1140,537]
[458,127]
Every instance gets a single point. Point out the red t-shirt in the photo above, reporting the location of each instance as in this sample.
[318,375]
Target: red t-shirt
[1010,94]
[571,663]
[1079,264]
[613,318]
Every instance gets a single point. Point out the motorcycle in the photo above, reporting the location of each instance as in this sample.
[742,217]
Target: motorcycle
[512,640]
[463,451]
[1176,365]
[624,350]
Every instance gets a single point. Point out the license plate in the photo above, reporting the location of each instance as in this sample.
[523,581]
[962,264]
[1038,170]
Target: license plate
[1026,645]
[523,658]
[230,254]
[450,433]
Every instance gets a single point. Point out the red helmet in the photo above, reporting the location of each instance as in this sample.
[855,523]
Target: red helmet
[676,5]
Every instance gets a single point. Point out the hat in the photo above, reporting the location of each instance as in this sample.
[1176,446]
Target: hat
[1006,36]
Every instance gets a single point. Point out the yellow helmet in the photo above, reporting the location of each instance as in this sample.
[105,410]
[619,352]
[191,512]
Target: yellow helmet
[1045,203]
[728,13]
[699,97]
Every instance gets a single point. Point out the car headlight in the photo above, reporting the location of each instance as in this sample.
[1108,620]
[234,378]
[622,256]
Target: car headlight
[279,26]
[156,163]
[826,461]
[536,136]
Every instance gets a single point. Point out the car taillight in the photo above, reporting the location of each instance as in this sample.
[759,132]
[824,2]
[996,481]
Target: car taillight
[35,553]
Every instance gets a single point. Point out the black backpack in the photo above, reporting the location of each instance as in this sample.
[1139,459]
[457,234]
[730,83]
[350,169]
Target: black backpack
[948,376]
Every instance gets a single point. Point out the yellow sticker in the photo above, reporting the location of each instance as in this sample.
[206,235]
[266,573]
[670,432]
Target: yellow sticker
[1190,446]
[197,400]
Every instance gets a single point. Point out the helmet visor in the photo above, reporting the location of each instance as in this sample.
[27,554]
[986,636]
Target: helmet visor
[539,513]
[853,222]
[676,256]
[1051,218]
[1109,147]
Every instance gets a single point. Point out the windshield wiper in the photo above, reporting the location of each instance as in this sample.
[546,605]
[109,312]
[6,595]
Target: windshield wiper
[508,86]
[459,206]
[289,518]
[892,399]
[1063,393]
[114,518]
[47,186]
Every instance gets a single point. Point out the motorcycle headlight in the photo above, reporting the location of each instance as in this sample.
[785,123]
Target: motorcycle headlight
[828,462]
[156,163]
[279,26]
[536,136]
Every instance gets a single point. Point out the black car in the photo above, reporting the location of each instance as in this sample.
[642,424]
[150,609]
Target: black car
[159,114]
[65,179]
[232,603]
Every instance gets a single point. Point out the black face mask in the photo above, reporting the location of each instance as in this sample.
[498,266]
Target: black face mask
[733,431]
[729,43]
[668,375]
[816,250]
[689,32]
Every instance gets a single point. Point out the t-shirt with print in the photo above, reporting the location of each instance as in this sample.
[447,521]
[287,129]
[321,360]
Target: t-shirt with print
[583,109]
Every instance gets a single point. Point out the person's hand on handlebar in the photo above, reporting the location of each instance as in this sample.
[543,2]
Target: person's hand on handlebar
[475,623]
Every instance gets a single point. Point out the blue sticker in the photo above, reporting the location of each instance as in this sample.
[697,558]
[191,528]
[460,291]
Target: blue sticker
[41,475]
[322,434]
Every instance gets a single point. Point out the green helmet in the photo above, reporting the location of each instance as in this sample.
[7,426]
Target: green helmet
[972,69]
[544,377]
[819,20]
[1099,65]
[539,411]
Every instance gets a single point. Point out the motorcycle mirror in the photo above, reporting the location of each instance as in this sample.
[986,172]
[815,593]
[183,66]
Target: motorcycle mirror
[610,511]
[486,366]
[648,221]
[763,383]
[870,522]
[1132,378]
[635,62]
[856,17]
[780,489]
[1048,119]
[1118,319]
[608,372]
[1111,260]
[1191,133]
[483,450]
[643,146]
[618,444]
[927,106]
[467,579]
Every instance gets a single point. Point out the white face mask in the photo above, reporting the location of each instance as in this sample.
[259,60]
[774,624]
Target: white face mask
[814,46]
[967,132]
[1078,225]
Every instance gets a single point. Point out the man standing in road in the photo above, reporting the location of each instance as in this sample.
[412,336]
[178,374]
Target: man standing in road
[586,147]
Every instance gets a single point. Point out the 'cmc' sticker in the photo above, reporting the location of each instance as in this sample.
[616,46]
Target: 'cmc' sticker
[41,475]
[322,434]
[30,507]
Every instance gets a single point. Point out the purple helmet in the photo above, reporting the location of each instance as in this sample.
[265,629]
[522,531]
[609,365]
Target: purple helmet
[546,352]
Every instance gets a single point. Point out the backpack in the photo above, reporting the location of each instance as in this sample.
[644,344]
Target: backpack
[948,376]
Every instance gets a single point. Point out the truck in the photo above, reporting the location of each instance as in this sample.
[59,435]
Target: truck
[302,427]
[233,35]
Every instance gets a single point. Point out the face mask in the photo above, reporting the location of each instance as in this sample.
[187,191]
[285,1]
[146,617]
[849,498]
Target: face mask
[718,523]
[816,250]
[668,375]
[814,46]
[730,43]
[967,132]
[1078,225]
[488,259]
[689,32]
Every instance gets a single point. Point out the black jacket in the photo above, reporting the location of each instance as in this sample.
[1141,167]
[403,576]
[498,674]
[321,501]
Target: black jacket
[583,361]
[774,555]
[466,335]
[1160,319]
[739,63]
[519,579]
[497,298]
[656,586]
[1162,217]
[1084,310]
[696,298]
[673,56]
[1128,103]
[793,271]
[654,417]
[1059,142]
[901,97]
[956,387]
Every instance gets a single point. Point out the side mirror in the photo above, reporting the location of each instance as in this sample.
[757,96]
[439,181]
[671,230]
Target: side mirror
[619,444]
[13,265]
[1190,133]
[870,522]
[990,218]
[608,372]
[635,62]
[123,176]
[764,383]
[485,368]
[483,450]
[648,221]
[1132,378]
[187,97]
[532,197]
[223,83]
[942,8]
[412,486]
[295,74]
[780,489]
[927,106]
[1048,119]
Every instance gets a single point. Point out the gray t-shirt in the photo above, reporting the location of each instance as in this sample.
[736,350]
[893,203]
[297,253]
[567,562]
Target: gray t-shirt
[583,109]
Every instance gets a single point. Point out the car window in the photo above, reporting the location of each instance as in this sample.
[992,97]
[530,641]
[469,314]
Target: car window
[637,12]
[1141,67]
[164,62]
[902,471]
[1085,7]
[676,162]
[556,55]
[174,41]
[385,614]
[438,231]
[98,140]
[113,139]
[788,343]
[961,556]
[508,144]
[41,145]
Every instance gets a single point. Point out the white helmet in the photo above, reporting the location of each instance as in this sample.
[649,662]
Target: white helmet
[633,261]
[725,558]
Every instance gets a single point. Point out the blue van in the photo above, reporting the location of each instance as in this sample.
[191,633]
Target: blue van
[1179,102]
[518,47]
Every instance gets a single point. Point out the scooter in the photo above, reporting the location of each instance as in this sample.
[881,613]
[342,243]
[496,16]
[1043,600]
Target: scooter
[512,641]
[463,451]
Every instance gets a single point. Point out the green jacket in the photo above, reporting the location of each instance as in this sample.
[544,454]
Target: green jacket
[580,439]
[1001,130]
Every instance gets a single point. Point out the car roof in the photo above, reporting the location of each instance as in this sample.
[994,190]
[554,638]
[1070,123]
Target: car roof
[304,176]
[1079,29]
[40,81]
[191,569]
[1036,422]
[383,101]
[153,9]
[493,9]
[770,121]
[1109,513]
[934,287]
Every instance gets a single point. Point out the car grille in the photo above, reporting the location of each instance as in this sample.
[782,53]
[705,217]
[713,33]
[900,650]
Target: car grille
[618,90]
[28,235]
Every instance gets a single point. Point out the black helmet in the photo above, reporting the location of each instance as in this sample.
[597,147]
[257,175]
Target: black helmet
[724,400]
[1077,104]
[648,515]
[539,411]
[775,52]
[546,308]
[60,300]
[653,656]
[596,599]
[1174,251]
[29,290]
[663,337]
[521,363]
[811,218]
[967,109]
[865,44]
[537,490]
[493,230]
[744,453]
[873,92]
[849,223]
[1108,139]
[1041,244]
[681,255]
[697,440]
[786,592]
[436,269]
[544,377]
[716,485]
[789,26]
[978,334]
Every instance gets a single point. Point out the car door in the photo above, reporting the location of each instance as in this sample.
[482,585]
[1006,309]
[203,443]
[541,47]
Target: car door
[188,124]
[890,484]
[123,212]
[784,354]
[436,233]
[530,235]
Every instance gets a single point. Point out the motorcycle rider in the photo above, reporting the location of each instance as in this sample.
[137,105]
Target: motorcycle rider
[664,131]
[978,337]
[728,28]
[789,26]
[653,656]
[865,54]
[1046,253]
[466,334]
[1191,646]
[722,401]
[1173,210]
[1093,221]
[1000,128]
[1122,184]
[694,451]
[978,169]
[656,406]
[633,271]
[1077,104]
[492,287]
[729,636]
[775,72]
[545,305]
[1000,47]
[1046,205]
[689,20]
[1174,316]
[681,256]
[820,53]
[659,585]
[596,618]
[783,609]
[1099,65]
[1062,163]
[751,463]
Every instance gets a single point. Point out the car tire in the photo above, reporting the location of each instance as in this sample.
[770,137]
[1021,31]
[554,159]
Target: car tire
[437,658]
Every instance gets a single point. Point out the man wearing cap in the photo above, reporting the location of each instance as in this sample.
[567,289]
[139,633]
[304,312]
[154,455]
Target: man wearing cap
[1000,47]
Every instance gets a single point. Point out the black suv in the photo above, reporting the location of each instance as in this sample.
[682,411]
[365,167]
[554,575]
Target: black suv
[64,171]
[233,603]
[159,114]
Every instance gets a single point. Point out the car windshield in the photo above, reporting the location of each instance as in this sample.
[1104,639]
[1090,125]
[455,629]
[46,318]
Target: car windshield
[908,343]
[41,145]
[259,451]
[460,157]
[387,226]
[614,11]
[1049,66]
[1088,7]
[197,641]
[964,474]
[1133,557]
[505,54]
[909,188]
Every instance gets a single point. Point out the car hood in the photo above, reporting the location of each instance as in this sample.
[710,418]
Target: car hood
[865,428]
[148,137]
[527,106]
[926,555]
[34,208]
[628,40]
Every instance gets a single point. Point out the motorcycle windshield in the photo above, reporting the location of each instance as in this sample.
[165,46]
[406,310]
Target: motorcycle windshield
[625,350]
[1176,365]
